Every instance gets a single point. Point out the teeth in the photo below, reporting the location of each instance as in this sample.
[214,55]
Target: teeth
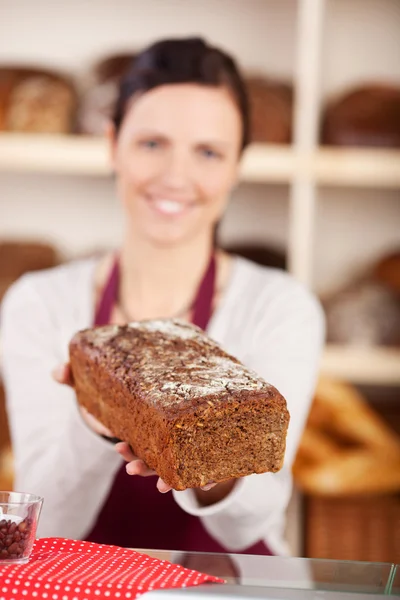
[170,207]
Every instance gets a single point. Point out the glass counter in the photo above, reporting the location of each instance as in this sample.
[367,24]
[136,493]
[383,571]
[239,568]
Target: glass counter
[268,573]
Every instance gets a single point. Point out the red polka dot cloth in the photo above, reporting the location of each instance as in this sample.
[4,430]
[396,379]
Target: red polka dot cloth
[61,569]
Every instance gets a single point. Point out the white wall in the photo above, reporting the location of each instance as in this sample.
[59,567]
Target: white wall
[362,41]
[72,34]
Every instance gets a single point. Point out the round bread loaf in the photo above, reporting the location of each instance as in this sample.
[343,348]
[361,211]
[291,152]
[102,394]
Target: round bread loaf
[18,257]
[271,106]
[365,313]
[101,93]
[387,271]
[366,116]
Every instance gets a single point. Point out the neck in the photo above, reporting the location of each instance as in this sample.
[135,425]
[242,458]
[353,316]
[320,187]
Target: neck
[158,281]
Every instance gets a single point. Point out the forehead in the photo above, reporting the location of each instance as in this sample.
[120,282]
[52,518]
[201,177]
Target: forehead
[198,110]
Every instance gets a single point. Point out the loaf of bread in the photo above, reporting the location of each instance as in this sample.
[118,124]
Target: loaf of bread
[271,108]
[193,413]
[262,254]
[100,93]
[36,101]
[363,313]
[18,257]
[346,447]
[387,271]
[368,115]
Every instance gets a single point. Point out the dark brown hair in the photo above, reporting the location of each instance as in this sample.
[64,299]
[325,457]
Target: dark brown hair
[186,60]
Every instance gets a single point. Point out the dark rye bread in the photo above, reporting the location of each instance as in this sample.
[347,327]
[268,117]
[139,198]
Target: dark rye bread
[192,412]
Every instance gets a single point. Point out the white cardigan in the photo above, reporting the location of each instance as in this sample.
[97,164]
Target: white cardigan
[266,318]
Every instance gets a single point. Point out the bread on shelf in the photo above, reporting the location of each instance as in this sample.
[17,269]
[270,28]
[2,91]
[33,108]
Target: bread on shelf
[191,411]
[271,108]
[262,254]
[346,448]
[368,116]
[35,100]
[364,313]
[387,271]
[101,92]
[18,257]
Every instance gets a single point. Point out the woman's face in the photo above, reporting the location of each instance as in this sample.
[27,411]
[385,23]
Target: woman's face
[176,161]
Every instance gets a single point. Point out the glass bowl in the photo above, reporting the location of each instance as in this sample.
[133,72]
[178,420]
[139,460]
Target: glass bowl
[19,517]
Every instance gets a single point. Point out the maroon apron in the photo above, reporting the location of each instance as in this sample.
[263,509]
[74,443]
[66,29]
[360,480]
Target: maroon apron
[135,514]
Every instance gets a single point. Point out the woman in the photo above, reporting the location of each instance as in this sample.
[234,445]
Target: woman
[180,125]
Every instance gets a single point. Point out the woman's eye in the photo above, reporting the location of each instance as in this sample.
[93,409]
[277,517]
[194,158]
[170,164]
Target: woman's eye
[150,144]
[209,153]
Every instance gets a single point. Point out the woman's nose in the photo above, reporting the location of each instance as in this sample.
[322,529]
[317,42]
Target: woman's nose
[176,172]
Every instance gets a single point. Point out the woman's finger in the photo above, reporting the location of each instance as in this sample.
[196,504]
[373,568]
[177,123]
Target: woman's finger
[138,467]
[62,374]
[208,487]
[94,424]
[135,465]
[162,486]
[125,451]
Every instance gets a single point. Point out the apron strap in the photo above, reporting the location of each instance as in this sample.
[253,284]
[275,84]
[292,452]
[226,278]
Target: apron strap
[202,305]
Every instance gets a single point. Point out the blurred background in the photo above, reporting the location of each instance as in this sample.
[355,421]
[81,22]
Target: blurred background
[319,196]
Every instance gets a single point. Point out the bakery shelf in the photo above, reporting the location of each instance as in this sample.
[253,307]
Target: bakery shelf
[59,154]
[86,155]
[375,366]
[363,167]
[264,163]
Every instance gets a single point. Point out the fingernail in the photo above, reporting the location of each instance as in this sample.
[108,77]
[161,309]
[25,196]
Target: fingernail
[162,489]
[207,487]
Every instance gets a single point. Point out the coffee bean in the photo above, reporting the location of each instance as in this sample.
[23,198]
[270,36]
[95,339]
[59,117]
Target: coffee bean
[14,538]
[14,548]
[12,528]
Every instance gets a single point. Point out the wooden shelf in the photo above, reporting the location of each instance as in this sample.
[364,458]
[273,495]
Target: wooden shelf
[58,154]
[85,155]
[375,366]
[358,167]
[262,163]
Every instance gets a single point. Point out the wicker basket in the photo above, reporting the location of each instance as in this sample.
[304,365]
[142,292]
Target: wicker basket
[353,528]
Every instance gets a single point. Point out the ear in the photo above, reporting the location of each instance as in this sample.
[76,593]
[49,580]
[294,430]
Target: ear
[111,136]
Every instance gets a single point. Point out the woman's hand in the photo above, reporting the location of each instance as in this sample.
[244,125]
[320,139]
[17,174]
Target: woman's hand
[62,374]
[136,466]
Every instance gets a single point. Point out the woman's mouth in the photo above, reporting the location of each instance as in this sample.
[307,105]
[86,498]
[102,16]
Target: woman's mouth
[169,207]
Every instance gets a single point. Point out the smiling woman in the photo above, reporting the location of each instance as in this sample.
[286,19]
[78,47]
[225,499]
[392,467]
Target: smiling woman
[180,125]
[176,160]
